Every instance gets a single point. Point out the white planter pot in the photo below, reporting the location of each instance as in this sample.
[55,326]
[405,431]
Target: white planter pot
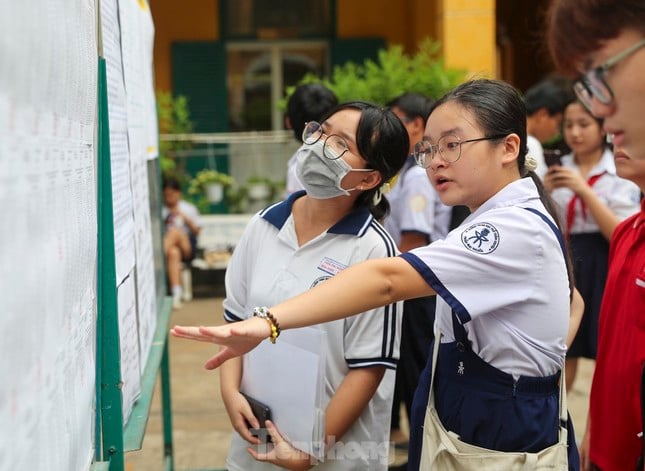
[259,191]
[214,192]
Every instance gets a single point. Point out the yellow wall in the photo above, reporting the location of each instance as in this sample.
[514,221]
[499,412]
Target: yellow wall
[188,20]
[380,18]
[466,28]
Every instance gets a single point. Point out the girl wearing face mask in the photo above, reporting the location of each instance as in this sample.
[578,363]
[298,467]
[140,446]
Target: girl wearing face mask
[502,282]
[299,243]
[592,200]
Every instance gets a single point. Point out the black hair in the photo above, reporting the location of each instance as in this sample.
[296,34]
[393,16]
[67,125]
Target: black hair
[599,121]
[549,94]
[498,109]
[308,102]
[171,182]
[414,105]
[383,142]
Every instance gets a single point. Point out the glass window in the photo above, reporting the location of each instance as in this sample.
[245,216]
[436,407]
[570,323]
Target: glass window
[258,74]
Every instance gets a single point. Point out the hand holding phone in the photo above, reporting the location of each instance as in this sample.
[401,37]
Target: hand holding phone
[552,157]
[262,412]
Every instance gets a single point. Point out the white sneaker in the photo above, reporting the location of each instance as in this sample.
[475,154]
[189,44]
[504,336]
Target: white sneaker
[176,301]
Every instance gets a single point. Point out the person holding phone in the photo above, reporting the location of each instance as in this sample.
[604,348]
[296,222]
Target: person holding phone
[306,241]
[592,200]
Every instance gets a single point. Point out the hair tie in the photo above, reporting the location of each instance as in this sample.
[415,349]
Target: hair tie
[378,195]
[530,163]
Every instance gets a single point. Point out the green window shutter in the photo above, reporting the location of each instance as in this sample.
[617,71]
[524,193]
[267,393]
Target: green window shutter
[199,72]
[355,50]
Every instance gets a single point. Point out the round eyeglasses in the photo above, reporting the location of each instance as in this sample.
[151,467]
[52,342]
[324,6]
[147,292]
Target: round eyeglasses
[592,84]
[448,147]
[334,146]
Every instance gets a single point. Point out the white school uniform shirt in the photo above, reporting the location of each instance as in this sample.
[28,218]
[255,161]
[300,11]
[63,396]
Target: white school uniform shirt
[415,206]
[190,210]
[268,266]
[620,195]
[503,273]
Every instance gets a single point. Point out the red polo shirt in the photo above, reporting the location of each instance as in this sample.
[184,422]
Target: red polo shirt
[615,410]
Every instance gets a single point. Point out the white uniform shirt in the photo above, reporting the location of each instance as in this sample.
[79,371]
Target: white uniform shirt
[503,273]
[268,266]
[415,206]
[620,195]
[189,210]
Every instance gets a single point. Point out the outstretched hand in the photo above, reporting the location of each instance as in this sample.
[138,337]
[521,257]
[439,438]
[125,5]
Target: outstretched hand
[237,338]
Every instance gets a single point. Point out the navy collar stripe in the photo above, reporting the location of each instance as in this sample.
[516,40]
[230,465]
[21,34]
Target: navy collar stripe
[355,223]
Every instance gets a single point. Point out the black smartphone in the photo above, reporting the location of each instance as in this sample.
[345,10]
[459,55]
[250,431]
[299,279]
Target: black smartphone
[552,157]
[262,412]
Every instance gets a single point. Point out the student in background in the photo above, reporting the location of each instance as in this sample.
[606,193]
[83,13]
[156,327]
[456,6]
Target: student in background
[545,102]
[503,281]
[602,44]
[592,200]
[417,218]
[308,102]
[181,228]
[306,241]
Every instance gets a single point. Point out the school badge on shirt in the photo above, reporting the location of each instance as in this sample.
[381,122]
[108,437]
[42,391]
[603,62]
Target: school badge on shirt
[328,265]
[481,238]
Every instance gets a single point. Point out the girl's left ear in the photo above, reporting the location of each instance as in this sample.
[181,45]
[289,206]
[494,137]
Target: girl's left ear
[511,148]
[370,180]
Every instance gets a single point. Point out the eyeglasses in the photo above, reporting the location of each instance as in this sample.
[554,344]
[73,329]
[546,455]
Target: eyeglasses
[448,147]
[592,84]
[334,146]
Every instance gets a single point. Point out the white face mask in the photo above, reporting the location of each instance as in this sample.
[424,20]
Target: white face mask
[319,175]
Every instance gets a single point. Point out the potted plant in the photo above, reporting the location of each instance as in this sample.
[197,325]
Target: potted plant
[259,188]
[211,185]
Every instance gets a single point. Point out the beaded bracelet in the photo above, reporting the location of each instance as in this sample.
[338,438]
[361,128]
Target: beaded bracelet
[264,313]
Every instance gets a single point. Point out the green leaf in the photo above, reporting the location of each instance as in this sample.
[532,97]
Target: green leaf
[392,74]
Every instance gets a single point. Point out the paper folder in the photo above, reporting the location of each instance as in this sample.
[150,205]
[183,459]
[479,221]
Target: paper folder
[289,376]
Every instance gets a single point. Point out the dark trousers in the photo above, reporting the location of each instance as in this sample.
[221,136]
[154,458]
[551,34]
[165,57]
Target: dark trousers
[416,337]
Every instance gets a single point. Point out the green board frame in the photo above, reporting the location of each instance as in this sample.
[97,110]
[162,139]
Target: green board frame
[113,440]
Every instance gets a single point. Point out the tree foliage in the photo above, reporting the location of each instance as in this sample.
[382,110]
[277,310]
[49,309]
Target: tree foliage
[173,117]
[392,74]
